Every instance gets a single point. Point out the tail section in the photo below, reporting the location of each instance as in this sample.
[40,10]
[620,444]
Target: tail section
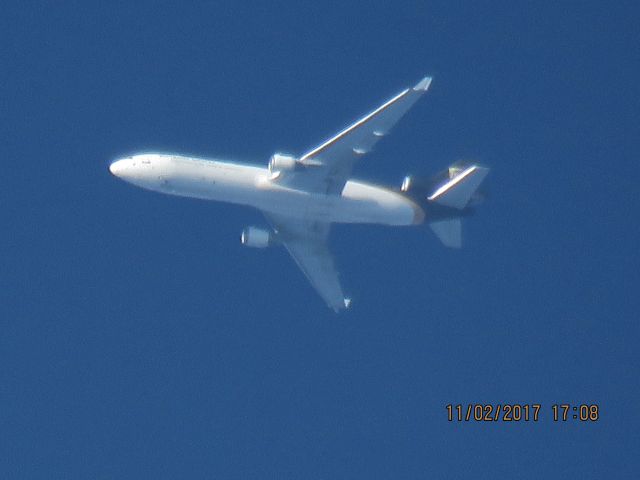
[460,187]
[449,232]
[447,197]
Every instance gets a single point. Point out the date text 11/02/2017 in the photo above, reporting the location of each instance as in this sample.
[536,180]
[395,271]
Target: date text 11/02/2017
[517,412]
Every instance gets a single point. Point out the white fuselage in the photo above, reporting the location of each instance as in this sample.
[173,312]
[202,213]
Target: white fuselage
[254,186]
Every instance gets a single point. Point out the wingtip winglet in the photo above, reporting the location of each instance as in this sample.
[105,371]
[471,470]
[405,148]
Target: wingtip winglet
[423,84]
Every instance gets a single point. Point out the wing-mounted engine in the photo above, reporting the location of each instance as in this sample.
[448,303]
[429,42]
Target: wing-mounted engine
[256,237]
[281,164]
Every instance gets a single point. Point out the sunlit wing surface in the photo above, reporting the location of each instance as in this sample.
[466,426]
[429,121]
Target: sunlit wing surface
[331,163]
[306,242]
[328,167]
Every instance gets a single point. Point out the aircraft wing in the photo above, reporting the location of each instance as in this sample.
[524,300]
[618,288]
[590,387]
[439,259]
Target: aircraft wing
[330,163]
[306,242]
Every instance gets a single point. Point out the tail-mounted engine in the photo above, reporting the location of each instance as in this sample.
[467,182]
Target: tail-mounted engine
[255,237]
[422,185]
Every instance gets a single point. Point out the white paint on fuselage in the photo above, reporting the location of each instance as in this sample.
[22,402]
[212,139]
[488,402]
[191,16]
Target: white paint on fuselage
[251,185]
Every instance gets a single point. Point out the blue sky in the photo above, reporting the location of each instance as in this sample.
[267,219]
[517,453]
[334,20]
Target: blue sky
[140,339]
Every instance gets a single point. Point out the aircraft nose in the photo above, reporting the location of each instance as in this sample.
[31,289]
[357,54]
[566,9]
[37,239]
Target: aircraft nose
[117,167]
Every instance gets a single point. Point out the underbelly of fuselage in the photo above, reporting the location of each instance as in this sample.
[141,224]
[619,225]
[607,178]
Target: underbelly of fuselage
[250,185]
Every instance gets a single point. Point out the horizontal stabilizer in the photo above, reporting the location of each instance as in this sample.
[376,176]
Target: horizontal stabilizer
[449,232]
[458,190]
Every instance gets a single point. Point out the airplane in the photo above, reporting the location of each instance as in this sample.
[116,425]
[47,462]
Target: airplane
[302,196]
